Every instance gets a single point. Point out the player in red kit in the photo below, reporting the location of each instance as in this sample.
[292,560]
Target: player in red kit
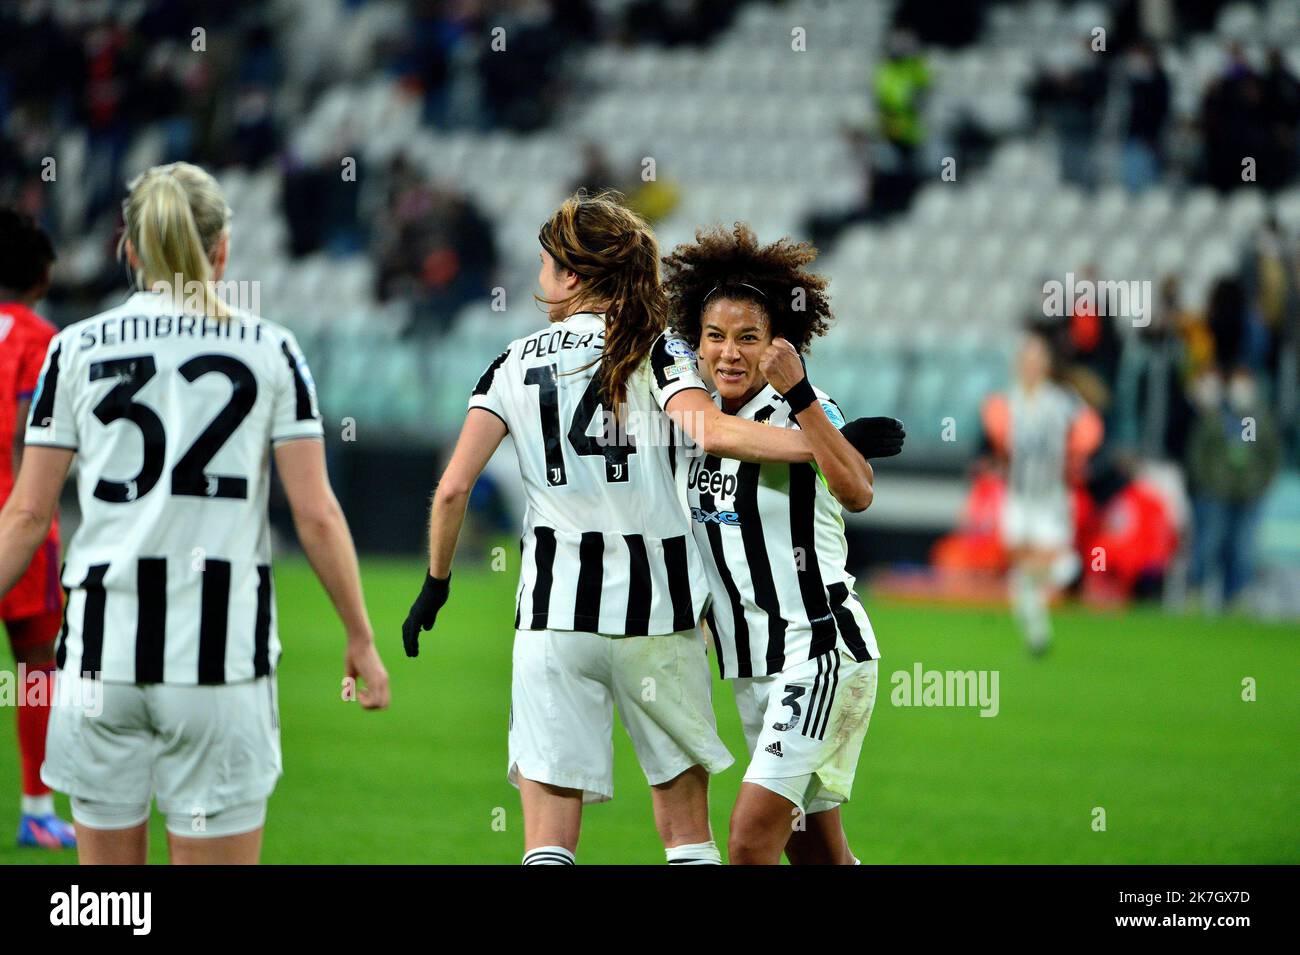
[32,611]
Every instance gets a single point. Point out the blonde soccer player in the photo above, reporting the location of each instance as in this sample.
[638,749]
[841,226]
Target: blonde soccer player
[172,406]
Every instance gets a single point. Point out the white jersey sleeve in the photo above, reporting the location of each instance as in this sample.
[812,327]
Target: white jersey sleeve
[489,394]
[296,412]
[52,422]
[674,368]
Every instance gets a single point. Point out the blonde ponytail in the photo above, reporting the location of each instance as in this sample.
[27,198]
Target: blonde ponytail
[175,216]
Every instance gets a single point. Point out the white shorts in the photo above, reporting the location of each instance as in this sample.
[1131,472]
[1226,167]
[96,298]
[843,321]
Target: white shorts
[805,728]
[1042,525]
[210,754]
[565,685]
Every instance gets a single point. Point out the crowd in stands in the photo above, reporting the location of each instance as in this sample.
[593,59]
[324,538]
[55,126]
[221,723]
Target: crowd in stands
[96,86]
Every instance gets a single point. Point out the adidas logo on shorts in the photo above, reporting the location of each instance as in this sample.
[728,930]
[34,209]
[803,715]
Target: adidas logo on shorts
[775,749]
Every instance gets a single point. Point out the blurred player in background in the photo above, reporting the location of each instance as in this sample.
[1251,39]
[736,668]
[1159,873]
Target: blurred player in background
[607,548]
[33,610]
[172,404]
[790,631]
[1045,433]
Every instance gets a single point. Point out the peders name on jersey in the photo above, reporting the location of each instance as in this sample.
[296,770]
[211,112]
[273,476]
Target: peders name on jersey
[548,343]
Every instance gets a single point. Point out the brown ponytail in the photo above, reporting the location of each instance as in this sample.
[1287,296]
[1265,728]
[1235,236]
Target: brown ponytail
[616,255]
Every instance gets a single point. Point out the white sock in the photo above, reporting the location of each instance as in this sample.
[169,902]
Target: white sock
[1029,603]
[699,853]
[1064,568]
[38,805]
[1040,624]
[857,861]
[549,855]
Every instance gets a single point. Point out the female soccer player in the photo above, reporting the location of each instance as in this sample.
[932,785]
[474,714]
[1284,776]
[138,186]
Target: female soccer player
[1045,432]
[607,549]
[172,404]
[788,627]
[33,610]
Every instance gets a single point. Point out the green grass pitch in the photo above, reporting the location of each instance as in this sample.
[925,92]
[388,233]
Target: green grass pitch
[1139,713]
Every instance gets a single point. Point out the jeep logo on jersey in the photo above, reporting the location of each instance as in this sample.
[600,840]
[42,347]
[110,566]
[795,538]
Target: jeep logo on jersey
[712,482]
[701,516]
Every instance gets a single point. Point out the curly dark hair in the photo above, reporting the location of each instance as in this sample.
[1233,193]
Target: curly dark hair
[25,252]
[732,264]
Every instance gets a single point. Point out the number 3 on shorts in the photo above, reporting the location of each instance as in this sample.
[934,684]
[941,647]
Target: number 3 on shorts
[792,694]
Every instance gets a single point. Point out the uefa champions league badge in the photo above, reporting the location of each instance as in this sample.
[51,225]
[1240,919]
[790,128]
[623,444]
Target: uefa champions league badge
[678,348]
[833,413]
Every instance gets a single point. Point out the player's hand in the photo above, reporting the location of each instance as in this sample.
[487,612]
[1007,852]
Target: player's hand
[424,612]
[875,437]
[367,673]
[781,365]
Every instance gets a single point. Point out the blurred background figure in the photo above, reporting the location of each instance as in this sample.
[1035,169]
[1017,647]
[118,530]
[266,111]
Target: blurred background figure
[433,247]
[1045,434]
[1232,457]
[900,83]
[1147,87]
[1068,96]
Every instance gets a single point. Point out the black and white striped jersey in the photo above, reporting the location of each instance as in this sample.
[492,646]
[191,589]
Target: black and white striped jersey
[606,545]
[1040,428]
[172,417]
[772,539]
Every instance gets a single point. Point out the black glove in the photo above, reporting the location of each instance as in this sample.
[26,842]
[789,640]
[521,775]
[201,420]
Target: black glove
[424,612]
[875,437]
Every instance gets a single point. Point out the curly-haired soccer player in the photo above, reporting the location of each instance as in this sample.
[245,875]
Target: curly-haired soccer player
[788,627]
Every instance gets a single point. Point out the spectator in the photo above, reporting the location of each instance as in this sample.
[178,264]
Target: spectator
[320,206]
[900,84]
[1239,336]
[1154,411]
[1281,95]
[1232,456]
[1237,131]
[1069,99]
[434,247]
[597,174]
[1148,110]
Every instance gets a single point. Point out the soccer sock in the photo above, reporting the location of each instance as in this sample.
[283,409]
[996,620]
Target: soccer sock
[1039,624]
[549,855]
[698,853]
[1029,604]
[1020,598]
[33,721]
[38,805]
